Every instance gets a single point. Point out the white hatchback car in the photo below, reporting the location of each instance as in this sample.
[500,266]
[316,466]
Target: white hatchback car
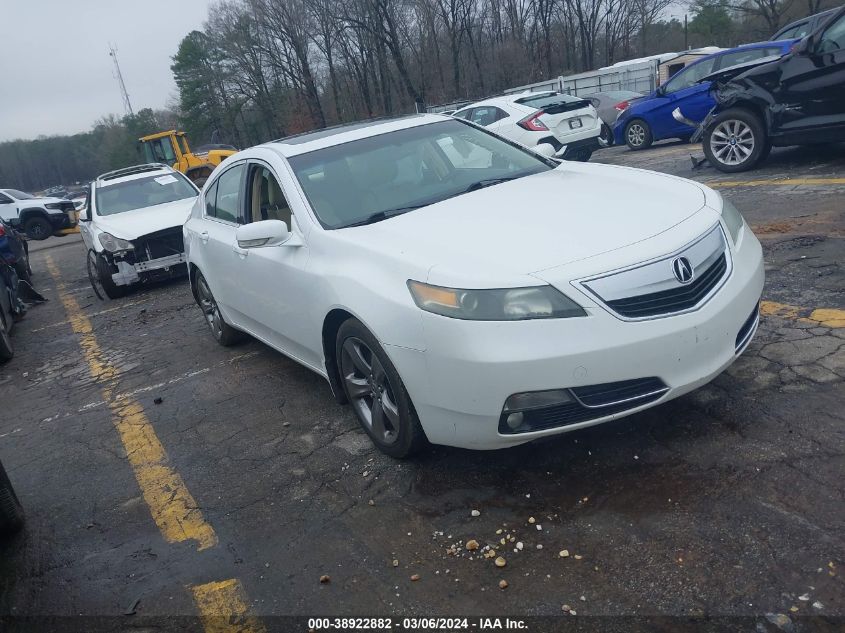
[475,304]
[551,123]
[132,227]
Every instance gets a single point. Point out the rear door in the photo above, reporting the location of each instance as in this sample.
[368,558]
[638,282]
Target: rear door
[8,208]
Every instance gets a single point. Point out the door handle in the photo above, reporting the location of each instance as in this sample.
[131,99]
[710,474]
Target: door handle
[242,252]
[204,237]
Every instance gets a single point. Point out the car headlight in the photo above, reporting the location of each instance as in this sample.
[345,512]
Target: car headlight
[733,219]
[497,304]
[114,244]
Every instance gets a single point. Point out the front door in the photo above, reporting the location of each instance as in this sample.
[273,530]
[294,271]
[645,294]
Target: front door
[812,88]
[275,289]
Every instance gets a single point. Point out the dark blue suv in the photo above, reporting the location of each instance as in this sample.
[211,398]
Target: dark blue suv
[650,119]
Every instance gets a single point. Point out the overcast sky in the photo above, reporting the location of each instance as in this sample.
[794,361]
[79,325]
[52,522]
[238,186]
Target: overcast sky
[56,76]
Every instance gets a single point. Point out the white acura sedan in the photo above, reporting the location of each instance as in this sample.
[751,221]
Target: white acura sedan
[469,302]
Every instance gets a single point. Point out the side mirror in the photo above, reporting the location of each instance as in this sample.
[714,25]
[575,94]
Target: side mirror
[82,215]
[263,233]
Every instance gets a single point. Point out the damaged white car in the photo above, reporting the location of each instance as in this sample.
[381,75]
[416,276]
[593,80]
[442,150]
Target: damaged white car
[132,227]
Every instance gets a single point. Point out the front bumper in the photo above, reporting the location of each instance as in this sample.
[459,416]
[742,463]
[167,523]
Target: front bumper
[460,383]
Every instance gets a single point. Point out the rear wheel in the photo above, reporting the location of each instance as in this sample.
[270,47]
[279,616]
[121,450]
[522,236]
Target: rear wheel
[735,141]
[376,392]
[222,332]
[638,135]
[38,228]
[11,512]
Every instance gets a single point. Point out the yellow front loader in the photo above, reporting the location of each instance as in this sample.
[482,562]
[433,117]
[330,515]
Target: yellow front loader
[171,147]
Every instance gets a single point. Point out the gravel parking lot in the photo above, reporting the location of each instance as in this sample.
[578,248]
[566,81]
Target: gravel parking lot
[159,470]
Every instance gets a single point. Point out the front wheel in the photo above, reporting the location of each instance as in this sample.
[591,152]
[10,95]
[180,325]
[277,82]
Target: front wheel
[11,512]
[605,136]
[376,392]
[7,351]
[638,135]
[735,141]
[100,276]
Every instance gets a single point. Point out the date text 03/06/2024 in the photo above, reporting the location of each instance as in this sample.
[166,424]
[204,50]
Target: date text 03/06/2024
[416,624]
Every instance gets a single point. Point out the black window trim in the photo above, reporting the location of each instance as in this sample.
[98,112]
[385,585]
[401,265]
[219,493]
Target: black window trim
[213,185]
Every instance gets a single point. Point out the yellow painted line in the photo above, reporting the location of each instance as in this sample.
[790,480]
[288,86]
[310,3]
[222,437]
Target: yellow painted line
[776,182]
[223,608]
[171,505]
[823,317]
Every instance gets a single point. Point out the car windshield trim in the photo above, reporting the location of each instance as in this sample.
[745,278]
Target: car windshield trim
[406,169]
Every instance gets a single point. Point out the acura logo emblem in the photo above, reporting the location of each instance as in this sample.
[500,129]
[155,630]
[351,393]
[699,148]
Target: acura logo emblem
[682,269]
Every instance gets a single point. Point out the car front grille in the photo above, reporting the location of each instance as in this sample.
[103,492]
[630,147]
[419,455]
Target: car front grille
[674,300]
[746,332]
[591,402]
[160,244]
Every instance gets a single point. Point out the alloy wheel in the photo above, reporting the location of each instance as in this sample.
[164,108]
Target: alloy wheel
[732,142]
[369,390]
[209,308]
[636,134]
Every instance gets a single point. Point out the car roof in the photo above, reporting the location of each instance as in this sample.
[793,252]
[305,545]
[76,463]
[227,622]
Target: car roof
[339,134]
[132,173]
[782,44]
[817,17]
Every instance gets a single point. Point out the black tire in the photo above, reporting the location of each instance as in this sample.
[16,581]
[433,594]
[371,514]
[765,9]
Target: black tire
[11,512]
[23,269]
[38,228]
[99,274]
[605,136]
[7,350]
[376,392]
[638,135]
[735,141]
[222,332]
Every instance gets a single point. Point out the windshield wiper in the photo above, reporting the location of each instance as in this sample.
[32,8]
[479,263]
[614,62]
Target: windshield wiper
[488,182]
[378,216]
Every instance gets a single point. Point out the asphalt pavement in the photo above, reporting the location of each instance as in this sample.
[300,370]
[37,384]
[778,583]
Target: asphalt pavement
[165,476]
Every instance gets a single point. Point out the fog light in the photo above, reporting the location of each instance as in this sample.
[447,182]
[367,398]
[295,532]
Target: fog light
[537,399]
[514,420]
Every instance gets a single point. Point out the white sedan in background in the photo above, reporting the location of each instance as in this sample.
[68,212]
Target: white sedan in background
[132,227]
[551,123]
[469,302]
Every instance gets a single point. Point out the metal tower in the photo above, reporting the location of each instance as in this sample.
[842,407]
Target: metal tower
[119,76]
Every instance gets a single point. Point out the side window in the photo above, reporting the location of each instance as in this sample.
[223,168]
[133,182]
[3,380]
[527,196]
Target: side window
[228,197]
[833,38]
[690,76]
[4,199]
[501,114]
[741,57]
[266,199]
[463,114]
[210,199]
[485,115]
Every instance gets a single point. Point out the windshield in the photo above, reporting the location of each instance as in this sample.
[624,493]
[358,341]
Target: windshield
[19,195]
[142,192]
[399,171]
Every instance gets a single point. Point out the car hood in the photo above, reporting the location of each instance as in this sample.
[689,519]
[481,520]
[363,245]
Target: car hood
[576,211]
[131,225]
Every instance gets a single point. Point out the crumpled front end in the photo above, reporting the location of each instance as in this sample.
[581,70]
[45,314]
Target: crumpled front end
[159,255]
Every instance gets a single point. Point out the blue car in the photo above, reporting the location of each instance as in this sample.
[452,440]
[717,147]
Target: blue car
[650,119]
